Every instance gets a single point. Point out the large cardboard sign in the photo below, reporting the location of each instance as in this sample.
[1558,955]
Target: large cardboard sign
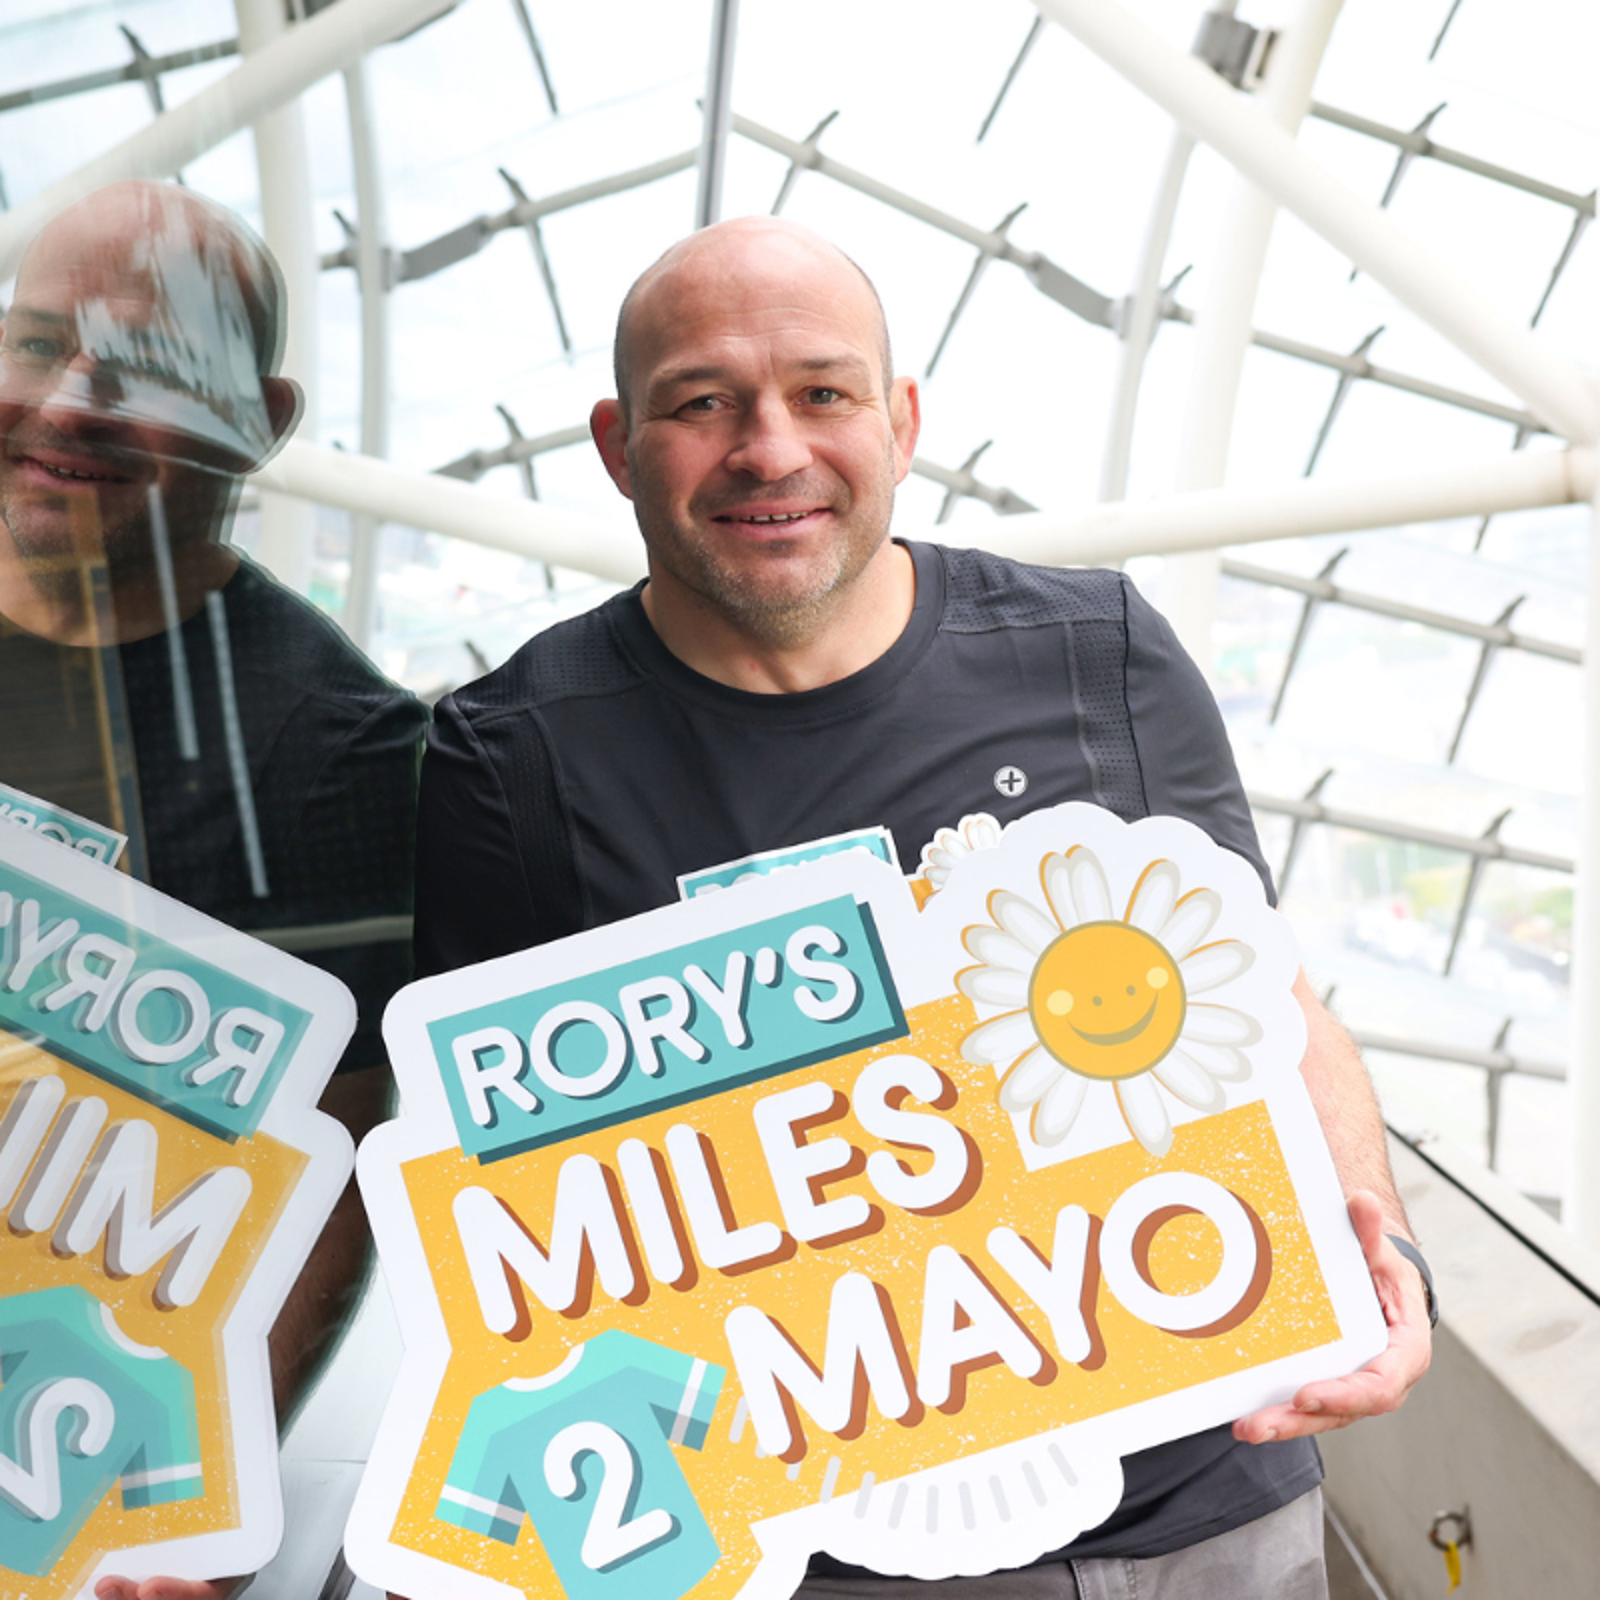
[793,1218]
[163,1174]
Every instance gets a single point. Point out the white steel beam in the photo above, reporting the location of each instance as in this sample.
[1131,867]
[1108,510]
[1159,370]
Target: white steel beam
[1102,533]
[272,76]
[1223,322]
[437,504]
[1207,518]
[372,275]
[1582,1210]
[1553,388]
[717,112]
[283,160]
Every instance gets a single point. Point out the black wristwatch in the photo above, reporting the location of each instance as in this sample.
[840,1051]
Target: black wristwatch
[1415,1257]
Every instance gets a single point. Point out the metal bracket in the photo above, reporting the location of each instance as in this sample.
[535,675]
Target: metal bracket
[145,67]
[986,254]
[1233,49]
[1485,656]
[1524,434]
[1297,830]
[1455,6]
[530,486]
[795,167]
[147,70]
[1580,224]
[1494,1083]
[954,492]
[526,23]
[1402,163]
[352,237]
[1307,611]
[1348,377]
[960,484]
[542,261]
[1491,834]
[1011,76]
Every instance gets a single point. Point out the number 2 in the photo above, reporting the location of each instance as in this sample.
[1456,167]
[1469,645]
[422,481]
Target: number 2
[610,1538]
[33,1484]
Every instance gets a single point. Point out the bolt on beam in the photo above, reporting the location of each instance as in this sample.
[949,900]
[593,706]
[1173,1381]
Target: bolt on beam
[1311,810]
[1481,672]
[525,22]
[978,268]
[961,482]
[1415,142]
[134,71]
[1313,598]
[1469,893]
[1011,77]
[541,260]
[1495,633]
[1046,276]
[1359,367]
[1418,144]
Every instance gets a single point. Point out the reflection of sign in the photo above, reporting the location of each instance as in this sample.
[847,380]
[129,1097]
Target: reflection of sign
[184,1032]
[65,827]
[909,1298]
[878,842]
[162,1175]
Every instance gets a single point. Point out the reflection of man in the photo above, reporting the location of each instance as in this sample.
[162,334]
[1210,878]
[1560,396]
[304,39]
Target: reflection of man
[788,673]
[156,681]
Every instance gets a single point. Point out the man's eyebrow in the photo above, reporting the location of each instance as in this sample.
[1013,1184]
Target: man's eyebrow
[711,372]
[51,319]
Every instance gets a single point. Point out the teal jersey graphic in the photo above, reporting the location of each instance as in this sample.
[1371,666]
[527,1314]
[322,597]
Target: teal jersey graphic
[586,1454]
[82,1407]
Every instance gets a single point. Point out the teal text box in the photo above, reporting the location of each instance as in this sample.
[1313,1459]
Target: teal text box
[35,914]
[816,986]
[875,841]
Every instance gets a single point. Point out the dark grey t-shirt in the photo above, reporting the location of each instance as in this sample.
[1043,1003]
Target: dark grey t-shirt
[573,786]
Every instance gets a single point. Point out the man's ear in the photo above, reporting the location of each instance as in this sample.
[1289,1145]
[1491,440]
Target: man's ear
[286,404]
[610,431]
[905,418]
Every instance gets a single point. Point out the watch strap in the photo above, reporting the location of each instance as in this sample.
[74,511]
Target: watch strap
[1416,1258]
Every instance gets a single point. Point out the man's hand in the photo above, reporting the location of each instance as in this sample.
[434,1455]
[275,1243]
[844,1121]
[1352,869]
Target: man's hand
[164,1589]
[1383,1383]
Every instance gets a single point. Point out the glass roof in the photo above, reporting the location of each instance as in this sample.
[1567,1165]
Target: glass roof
[460,112]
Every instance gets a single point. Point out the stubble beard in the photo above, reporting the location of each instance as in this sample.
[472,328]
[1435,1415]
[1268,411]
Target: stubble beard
[757,598]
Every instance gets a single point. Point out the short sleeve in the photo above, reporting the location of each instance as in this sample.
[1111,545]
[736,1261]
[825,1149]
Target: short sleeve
[1185,759]
[478,1493]
[472,896]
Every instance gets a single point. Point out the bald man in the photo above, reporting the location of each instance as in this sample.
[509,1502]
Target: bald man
[786,673]
[156,682]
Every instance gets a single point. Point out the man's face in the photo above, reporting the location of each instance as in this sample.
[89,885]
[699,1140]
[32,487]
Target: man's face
[763,448]
[98,396]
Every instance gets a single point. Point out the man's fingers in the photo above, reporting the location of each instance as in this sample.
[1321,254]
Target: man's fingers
[165,1589]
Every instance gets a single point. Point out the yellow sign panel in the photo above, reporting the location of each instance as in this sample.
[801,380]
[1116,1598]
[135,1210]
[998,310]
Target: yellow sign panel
[910,1301]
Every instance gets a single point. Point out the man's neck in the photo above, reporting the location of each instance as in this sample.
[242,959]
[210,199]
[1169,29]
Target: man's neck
[851,633]
[67,605]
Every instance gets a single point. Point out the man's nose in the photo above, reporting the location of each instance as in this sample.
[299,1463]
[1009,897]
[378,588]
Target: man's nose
[771,443]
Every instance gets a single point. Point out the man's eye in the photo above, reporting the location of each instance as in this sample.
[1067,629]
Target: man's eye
[823,396]
[700,403]
[37,348]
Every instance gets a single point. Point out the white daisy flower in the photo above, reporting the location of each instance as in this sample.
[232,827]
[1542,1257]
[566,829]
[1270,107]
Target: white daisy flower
[1089,997]
[980,831]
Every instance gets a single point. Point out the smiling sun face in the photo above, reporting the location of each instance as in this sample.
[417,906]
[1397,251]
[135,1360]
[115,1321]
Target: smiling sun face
[1088,996]
[1107,1000]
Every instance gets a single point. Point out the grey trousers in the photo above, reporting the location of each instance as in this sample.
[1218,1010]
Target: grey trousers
[1276,1557]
